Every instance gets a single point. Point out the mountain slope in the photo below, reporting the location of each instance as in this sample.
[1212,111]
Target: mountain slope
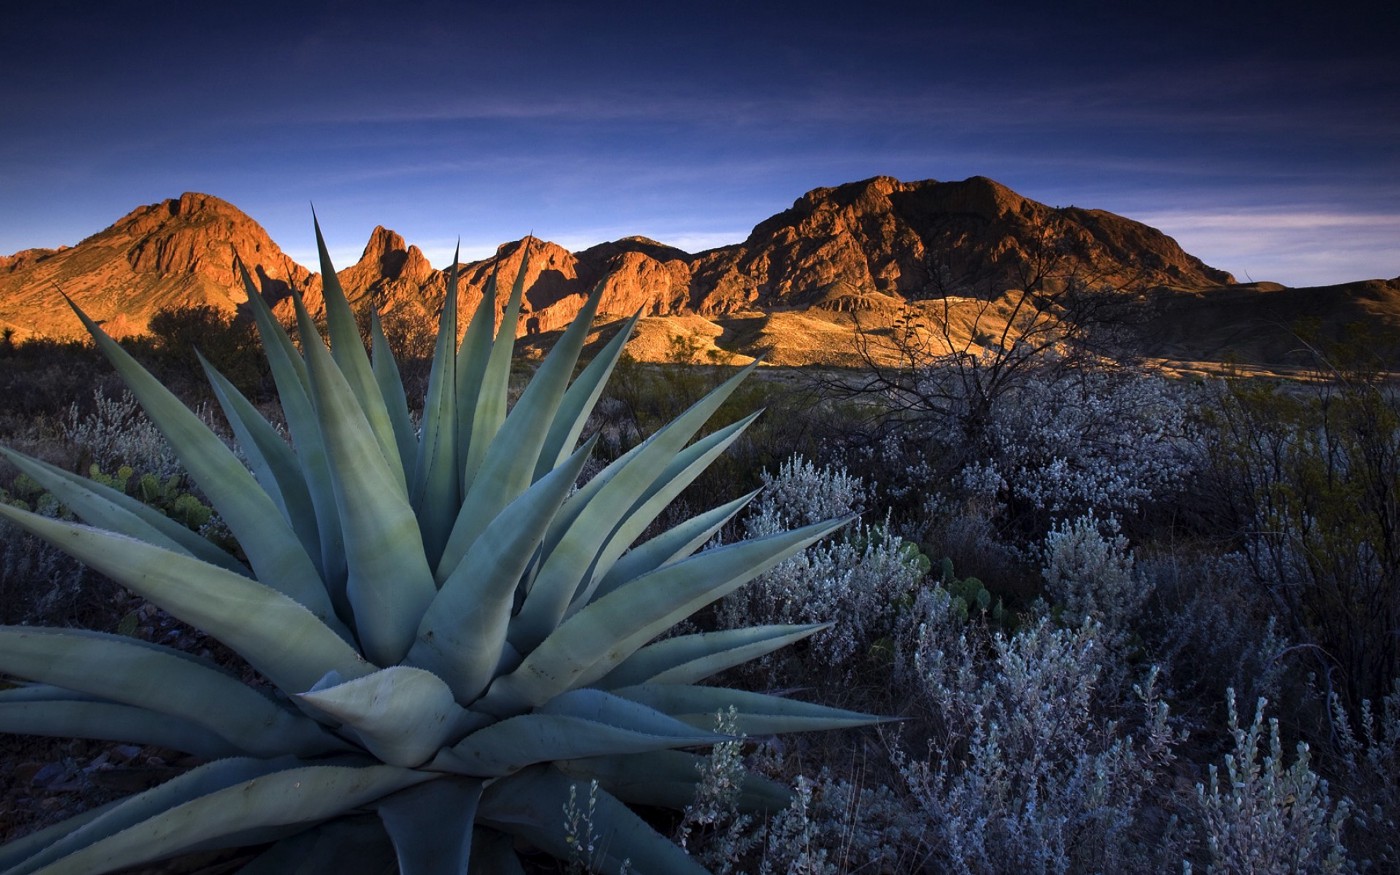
[792,290]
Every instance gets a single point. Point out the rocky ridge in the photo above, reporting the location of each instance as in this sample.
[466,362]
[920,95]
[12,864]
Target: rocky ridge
[871,245]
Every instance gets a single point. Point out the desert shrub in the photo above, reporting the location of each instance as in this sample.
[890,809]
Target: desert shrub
[1267,815]
[179,336]
[1095,441]
[1368,758]
[1308,482]
[116,432]
[1206,625]
[1023,772]
[1089,574]
[859,582]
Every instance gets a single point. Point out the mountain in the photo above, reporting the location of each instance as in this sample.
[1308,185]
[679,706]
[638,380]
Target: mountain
[792,290]
[173,253]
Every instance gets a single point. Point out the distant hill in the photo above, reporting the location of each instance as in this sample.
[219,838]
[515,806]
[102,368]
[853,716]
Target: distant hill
[793,290]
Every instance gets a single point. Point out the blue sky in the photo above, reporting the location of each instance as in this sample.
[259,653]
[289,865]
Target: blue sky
[1265,138]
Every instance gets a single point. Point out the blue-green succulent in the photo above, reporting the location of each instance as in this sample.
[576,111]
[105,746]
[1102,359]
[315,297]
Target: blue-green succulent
[452,632]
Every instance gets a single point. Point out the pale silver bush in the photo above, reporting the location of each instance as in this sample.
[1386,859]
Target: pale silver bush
[1368,749]
[1022,774]
[1089,573]
[1268,816]
[1098,441]
[117,432]
[858,581]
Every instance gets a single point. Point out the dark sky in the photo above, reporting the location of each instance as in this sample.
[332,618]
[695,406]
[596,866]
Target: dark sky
[1264,137]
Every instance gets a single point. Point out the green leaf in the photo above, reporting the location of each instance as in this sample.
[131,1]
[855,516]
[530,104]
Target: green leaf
[273,461]
[490,410]
[349,352]
[472,359]
[569,562]
[159,679]
[669,779]
[204,809]
[345,846]
[686,659]
[431,825]
[463,631]
[508,467]
[528,804]
[389,583]
[293,388]
[386,375]
[436,486]
[688,464]
[401,714]
[579,723]
[106,508]
[273,549]
[593,641]
[758,713]
[579,400]
[671,545]
[275,634]
[109,721]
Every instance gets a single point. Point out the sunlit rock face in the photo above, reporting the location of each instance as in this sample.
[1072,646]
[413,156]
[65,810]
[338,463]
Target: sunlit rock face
[794,291]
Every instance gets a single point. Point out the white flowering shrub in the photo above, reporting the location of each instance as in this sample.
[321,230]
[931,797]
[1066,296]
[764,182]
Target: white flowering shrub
[116,432]
[1095,441]
[1368,751]
[801,493]
[1022,774]
[1206,624]
[1267,815]
[858,582]
[1089,573]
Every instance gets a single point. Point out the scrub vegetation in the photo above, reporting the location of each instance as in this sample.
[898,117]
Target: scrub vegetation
[1128,623]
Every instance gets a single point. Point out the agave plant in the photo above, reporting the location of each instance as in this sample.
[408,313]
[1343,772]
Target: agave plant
[452,633]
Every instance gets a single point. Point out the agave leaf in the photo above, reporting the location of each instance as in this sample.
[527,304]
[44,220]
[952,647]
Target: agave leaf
[570,560]
[494,852]
[389,584]
[349,353]
[275,634]
[272,547]
[386,375]
[528,804]
[273,461]
[490,410]
[293,385]
[431,825]
[346,846]
[684,468]
[758,713]
[106,508]
[463,631]
[593,641]
[579,723]
[109,721]
[472,359]
[436,485]
[579,400]
[686,659]
[669,779]
[401,714]
[85,829]
[159,679]
[675,543]
[276,793]
[508,466]
[277,345]
[20,849]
